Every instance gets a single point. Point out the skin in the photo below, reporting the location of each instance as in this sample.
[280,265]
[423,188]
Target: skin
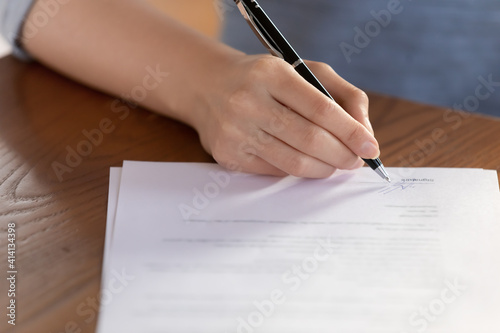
[253,113]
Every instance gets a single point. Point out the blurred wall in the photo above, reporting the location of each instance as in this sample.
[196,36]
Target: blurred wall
[202,15]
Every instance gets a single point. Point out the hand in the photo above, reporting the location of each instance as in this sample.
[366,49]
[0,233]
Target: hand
[262,117]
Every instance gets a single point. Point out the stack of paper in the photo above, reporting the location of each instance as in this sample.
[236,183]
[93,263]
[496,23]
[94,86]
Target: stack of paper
[194,248]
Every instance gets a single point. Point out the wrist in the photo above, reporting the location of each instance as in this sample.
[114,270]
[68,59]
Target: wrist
[192,86]
[194,97]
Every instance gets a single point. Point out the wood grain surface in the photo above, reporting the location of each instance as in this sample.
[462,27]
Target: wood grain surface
[60,221]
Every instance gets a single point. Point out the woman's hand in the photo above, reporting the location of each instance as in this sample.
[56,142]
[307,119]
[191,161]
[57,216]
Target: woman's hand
[262,117]
[253,113]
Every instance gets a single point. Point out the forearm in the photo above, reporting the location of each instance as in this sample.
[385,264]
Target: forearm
[253,113]
[109,44]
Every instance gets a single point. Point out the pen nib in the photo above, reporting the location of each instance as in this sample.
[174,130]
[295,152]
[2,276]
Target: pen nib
[383,173]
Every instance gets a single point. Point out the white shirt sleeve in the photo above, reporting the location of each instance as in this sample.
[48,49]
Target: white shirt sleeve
[12,15]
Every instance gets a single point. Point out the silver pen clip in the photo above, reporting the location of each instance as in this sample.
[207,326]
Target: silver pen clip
[258,30]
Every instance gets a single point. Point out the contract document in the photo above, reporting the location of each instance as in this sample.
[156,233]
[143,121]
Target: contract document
[192,247]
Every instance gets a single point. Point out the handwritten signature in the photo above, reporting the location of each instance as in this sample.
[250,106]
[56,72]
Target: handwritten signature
[399,186]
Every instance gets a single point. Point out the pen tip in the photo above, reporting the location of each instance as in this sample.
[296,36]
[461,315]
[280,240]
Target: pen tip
[387,179]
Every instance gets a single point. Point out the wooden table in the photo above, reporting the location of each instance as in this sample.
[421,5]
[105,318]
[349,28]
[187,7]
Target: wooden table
[60,219]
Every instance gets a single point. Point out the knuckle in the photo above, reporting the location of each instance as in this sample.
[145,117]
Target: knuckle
[297,165]
[359,95]
[228,156]
[246,148]
[239,99]
[285,115]
[362,96]
[331,172]
[319,66]
[347,162]
[222,143]
[264,138]
[232,164]
[354,134]
[324,67]
[226,132]
[323,109]
[219,153]
[264,65]
[313,138]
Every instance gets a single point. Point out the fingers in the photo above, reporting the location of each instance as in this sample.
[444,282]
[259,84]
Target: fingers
[256,165]
[270,156]
[279,150]
[308,138]
[293,91]
[293,162]
[269,120]
[353,100]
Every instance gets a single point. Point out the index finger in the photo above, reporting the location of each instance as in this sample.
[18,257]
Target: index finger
[302,97]
[352,99]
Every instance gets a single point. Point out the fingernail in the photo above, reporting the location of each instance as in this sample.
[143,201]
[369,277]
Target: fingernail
[369,150]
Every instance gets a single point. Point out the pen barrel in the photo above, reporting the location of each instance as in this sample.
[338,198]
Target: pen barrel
[272,38]
[373,164]
[306,73]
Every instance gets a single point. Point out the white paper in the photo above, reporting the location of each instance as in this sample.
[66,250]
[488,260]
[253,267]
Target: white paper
[114,188]
[206,250]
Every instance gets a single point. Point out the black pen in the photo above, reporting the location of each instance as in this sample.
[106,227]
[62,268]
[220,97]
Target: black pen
[272,38]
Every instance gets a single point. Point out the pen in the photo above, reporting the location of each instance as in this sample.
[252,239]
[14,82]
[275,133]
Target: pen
[276,43]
